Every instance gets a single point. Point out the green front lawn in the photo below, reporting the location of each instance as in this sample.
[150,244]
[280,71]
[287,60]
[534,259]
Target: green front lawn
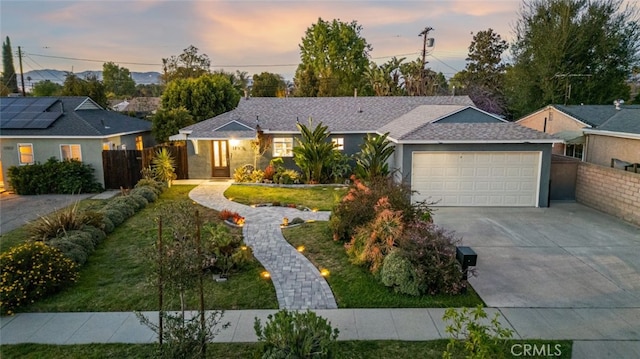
[355,287]
[114,277]
[315,197]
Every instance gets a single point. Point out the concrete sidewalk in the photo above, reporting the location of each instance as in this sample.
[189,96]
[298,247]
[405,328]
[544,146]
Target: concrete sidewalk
[598,333]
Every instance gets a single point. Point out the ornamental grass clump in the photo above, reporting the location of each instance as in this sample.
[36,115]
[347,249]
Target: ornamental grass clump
[31,271]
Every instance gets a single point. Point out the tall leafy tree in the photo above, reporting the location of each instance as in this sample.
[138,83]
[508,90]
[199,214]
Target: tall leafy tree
[420,81]
[334,57]
[117,80]
[189,64]
[572,51]
[167,122]
[204,97]
[89,86]
[483,77]
[9,78]
[268,84]
[385,79]
[46,88]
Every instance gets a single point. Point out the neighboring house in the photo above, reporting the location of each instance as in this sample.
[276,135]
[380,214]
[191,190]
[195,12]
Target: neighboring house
[617,141]
[34,129]
[141,107]
[568,122]
[448,150]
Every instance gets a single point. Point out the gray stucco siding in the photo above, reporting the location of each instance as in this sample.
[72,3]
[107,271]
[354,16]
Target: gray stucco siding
[545,168]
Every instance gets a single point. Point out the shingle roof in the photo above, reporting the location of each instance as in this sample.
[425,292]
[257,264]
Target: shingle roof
[94,122]
[340,114]
[626,120]
[470,132]
[597,115]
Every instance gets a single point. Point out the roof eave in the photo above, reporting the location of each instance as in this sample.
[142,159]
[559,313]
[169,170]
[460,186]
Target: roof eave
[439,142]
[634,136]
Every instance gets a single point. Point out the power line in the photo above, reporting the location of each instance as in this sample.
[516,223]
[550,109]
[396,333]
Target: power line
[91,60]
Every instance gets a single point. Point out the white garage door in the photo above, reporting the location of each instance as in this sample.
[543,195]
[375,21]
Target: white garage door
[509,179]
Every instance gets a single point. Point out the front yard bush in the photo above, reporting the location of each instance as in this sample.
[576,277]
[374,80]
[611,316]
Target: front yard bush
[53,176]
[31,271]
[71,250]
[116,217]
[398,273]
[148,192]
[432,252]
[291,334]
[355,208]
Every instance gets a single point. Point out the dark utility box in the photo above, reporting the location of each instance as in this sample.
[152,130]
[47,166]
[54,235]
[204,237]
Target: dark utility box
[466,256]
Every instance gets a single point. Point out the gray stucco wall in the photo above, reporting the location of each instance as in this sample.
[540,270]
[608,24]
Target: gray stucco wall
[543,200]
[43,149]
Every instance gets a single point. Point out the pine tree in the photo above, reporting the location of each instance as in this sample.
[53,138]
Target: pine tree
[9,78]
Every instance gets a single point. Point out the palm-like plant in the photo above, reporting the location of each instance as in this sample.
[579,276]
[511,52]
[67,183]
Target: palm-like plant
[313,152]
[371,161]
[164,166]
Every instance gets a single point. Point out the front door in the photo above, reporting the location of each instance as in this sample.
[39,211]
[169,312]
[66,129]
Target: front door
[220,156]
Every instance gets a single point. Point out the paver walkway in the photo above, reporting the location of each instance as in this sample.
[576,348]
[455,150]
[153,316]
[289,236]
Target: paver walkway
[297,281]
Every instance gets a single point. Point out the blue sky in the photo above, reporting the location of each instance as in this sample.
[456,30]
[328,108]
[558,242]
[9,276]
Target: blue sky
[237,35]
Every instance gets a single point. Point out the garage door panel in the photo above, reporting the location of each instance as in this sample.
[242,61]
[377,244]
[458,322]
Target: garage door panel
[477,178]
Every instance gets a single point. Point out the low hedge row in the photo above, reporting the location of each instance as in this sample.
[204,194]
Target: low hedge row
[61,243]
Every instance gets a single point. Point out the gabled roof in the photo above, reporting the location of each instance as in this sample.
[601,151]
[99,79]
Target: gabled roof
[592,115]
[340,114]
[81,117]
[503,132]
[406,119]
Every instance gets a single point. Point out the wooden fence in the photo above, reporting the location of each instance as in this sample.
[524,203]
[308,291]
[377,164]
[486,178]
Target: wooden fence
[122,168]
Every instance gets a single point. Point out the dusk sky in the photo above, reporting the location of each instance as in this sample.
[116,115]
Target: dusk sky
[238,35]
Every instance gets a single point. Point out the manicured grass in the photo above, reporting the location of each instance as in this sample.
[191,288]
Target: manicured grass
[348,349]
[318,197]
[355,287]
[114,278]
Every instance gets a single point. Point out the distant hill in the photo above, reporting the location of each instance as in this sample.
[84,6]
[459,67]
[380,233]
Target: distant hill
[57,76]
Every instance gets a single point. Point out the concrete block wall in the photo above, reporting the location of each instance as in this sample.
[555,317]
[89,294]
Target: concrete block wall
[610,190]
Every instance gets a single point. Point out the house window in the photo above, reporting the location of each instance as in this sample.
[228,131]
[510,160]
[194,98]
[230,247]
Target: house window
[574,151]
[139,143]
[25,153]
[283,147]
[106,146]
[338,143]
[68,152]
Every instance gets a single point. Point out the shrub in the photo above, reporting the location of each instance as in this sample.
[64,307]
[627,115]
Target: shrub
[155,186]
[69,176]
[226,214]
[313,152]
[114,215]
[296,220]
[122,207]
[93,218]
[126,201]
[371,161]
[397,272]
[225,251]
[243,173]
[163,165]
[256,176]
[286,176]
[269,172]
[432,252]
[97,234]
[291,334]
[355,207]
[56,224]
[145,191]
[479,340]
[31,271]
[71,250]
[139,200]
[374,240]
[108,225]
[83,239]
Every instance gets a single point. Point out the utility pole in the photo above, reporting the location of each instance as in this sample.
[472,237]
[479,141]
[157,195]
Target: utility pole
[424,34]
[24,94]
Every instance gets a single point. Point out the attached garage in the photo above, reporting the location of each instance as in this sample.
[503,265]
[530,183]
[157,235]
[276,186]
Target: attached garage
[477,178]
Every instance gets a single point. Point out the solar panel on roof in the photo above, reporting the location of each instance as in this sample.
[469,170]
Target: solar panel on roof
[29,113]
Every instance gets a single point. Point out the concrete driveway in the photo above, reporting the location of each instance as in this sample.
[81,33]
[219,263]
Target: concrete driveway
[567,255]
[15,210]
